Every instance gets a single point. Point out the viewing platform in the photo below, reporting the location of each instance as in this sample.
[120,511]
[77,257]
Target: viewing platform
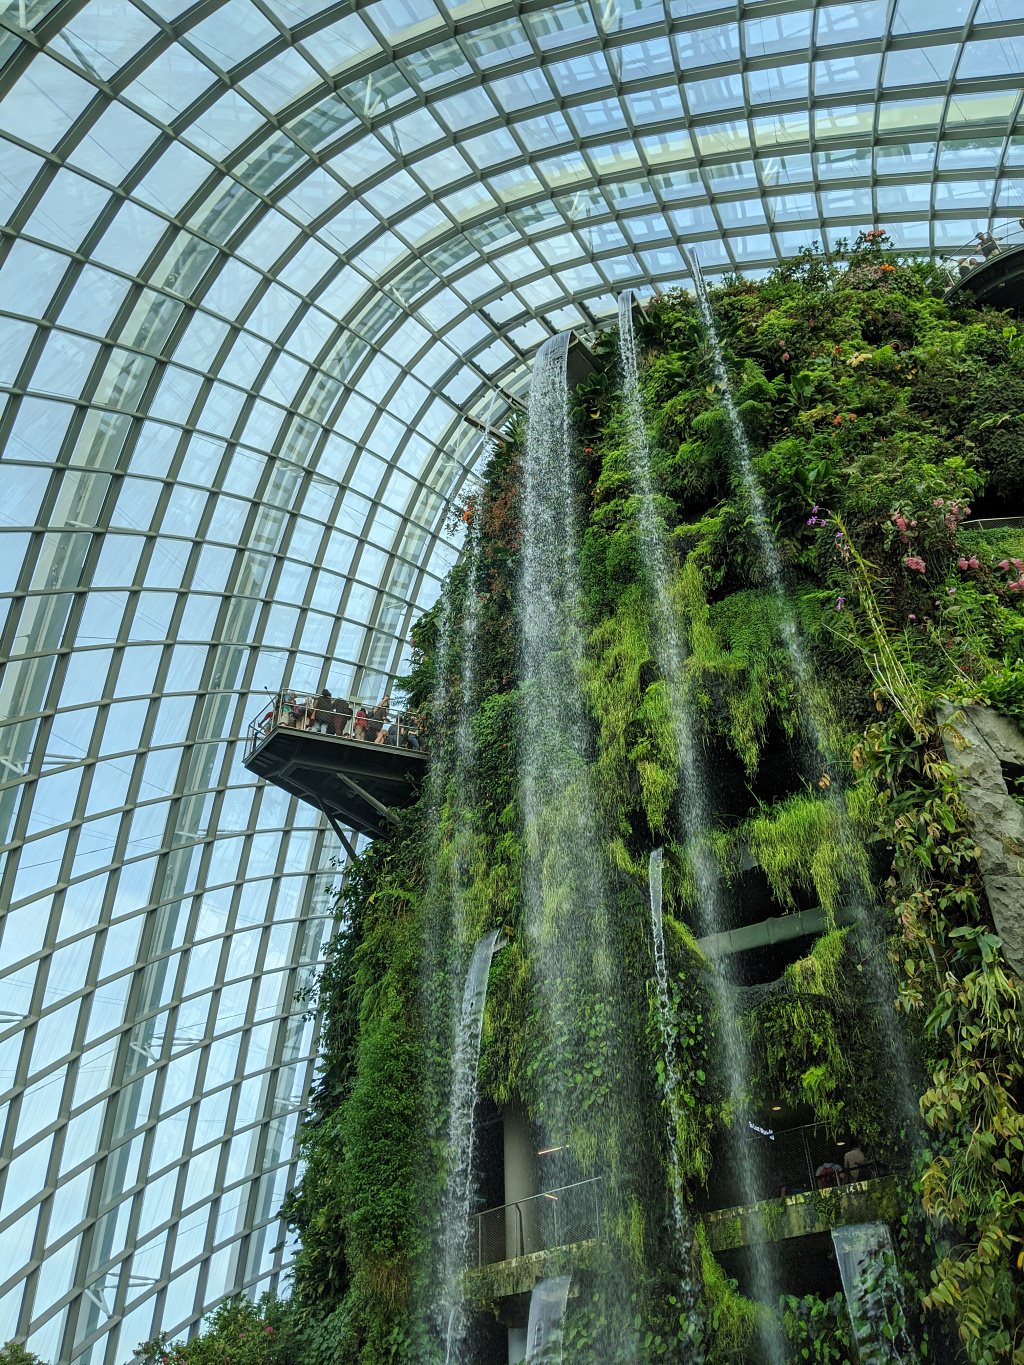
[996,280]
[516,1245]
[356,783]
[802,1215]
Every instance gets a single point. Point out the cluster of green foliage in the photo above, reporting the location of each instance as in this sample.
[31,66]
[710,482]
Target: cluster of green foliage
[13,1353]
[238,1332]
[817,1329]
[876,415]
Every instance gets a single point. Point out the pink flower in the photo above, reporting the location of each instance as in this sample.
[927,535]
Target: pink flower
[974,562]
[939,502]
[963,564]
[916,563]
[911,617]
[1004,563]
[785,355]
[900,521]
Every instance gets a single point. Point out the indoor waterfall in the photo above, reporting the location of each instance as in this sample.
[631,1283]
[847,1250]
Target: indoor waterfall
[578,972]
[820,756]
[547,1313]
[566,911]
[694,795]
[768,550]
[444,965]
[450,777]
[669,1047]
[457,1200]
[464,748]
[874,1297]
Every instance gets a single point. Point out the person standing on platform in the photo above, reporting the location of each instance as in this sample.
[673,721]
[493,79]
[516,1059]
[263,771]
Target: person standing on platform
[342,715]
[324,712]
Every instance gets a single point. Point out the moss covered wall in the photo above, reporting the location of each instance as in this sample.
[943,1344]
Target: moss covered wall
[877,417]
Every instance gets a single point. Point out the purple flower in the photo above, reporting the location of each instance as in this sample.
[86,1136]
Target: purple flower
[911,617]
[840,603]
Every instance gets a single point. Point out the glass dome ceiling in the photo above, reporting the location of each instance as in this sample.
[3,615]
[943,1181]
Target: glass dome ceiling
[270,270]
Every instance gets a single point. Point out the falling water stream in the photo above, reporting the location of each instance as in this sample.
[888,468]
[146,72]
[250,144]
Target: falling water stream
[464,746]
[445,958]
[567,917]
[566,910]
[547,1313]
[821,756]
[456,1204]
[694,801]
[669,1047]
[874,1293]
[768,550]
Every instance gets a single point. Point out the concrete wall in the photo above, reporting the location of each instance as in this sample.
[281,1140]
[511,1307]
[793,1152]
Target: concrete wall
[520,1182]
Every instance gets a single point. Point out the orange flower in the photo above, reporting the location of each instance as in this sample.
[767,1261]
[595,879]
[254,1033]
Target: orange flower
[888,267]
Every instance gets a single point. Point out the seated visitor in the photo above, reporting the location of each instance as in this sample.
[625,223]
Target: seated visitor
[966,266]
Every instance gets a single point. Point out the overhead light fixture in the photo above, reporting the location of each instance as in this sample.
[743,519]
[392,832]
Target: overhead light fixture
[776,1108]
[546,1151]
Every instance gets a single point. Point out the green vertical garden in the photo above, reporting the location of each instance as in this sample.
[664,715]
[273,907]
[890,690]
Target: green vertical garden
[878,414]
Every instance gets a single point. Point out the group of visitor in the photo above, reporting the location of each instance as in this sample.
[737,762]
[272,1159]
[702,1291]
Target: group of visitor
[830,1175]
[854,1168]
[987,245]
[329,715]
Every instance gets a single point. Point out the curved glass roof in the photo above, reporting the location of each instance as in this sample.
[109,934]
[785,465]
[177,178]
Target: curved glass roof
[269,271]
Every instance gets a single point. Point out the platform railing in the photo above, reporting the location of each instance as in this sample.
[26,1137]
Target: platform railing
[302,714]
[554,1218]
[1006,234]
[784,1162]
